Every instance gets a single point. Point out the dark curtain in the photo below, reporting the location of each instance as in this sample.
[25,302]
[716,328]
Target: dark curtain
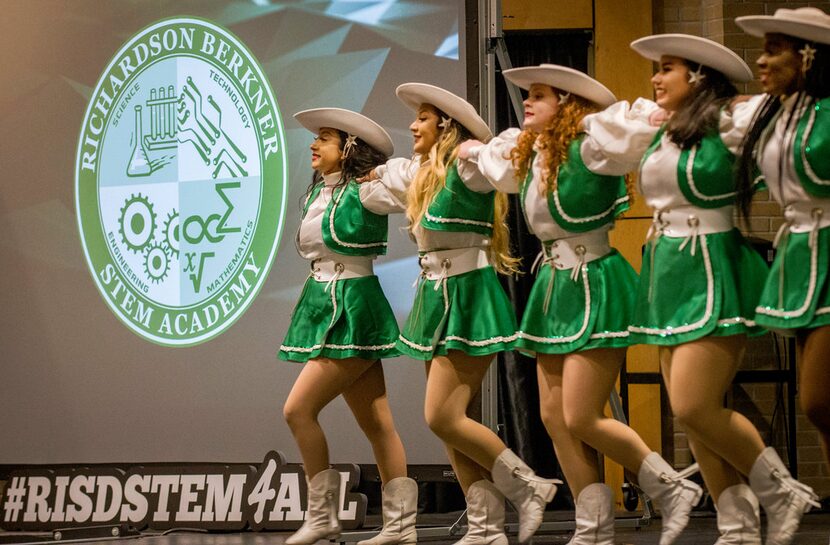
[518,397]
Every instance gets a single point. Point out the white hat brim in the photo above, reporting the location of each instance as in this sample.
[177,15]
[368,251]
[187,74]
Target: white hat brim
[413,95]
[564,79]
[759,25]
[348,121]
[696,49]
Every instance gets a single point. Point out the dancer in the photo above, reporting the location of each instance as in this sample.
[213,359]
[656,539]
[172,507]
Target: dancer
[342,324]
[790,141]
[576,320]
[461,316]
[701,280]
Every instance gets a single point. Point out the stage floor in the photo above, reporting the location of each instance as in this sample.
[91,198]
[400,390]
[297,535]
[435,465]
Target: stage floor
[815,530]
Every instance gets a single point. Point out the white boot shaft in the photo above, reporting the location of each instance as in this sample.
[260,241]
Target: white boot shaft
[675,495]
[400,507]
[485,516]
[528,493]
[739,518]
[594,516]
[323,506]
[784,499]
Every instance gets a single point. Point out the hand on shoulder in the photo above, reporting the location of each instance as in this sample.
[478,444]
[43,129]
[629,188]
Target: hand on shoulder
[658,117]
[368,177]
[464,148]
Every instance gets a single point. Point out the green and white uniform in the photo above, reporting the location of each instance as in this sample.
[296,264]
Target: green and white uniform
[459,303]
[583,296]
[342,312]
[699,276]
[795,161]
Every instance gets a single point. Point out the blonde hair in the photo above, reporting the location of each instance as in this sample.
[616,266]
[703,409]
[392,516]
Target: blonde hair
[553,143]
[432,178]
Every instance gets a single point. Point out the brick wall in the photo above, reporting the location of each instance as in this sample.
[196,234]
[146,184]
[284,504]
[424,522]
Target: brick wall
[763,404]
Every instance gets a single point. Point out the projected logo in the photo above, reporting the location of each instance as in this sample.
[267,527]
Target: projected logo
[181,181]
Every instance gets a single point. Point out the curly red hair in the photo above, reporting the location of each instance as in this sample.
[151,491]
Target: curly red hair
[553,141]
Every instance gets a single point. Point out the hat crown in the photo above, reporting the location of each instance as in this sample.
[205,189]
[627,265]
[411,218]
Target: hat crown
[348,121]
[803,15]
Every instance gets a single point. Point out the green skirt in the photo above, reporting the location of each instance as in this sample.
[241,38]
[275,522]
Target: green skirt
[800,298]
[469,312]
[592,312]
[682,297]
[352,319]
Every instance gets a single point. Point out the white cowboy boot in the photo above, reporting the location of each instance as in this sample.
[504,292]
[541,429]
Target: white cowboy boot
[527,492]
[739,521]
[784,499]
[400,505]
[321,515]
[485,516]
[594,516]
[675,495]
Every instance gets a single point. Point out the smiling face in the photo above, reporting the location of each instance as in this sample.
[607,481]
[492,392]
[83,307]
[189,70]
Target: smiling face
[779,65]
[326,155]
[541,105]
[671,83]
[425,129]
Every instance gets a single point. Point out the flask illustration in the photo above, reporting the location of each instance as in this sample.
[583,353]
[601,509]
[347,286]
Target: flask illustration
[139,164]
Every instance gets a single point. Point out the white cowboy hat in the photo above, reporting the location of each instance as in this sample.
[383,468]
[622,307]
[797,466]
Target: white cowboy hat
[416,94]
[348,121]
[696,49]
[564,79]
[808,23]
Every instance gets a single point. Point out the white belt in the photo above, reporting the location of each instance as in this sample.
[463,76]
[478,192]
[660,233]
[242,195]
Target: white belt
[803,217]
[441,264]
[689,223]
[572,254]
[332,270]
[682,222]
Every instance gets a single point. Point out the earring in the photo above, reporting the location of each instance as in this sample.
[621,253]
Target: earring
[563,98]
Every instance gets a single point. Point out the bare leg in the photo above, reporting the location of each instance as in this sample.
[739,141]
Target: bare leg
[366,397]
[467,471]
[578,460]
[814,382]
[717,473]
[452,381]
[320,381]
[697,377]
[588,380]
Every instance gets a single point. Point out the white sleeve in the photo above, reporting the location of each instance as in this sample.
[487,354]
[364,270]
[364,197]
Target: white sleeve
[734,122]
[473,178]
[492,160]
[377,198]
[395,177]
[617,137]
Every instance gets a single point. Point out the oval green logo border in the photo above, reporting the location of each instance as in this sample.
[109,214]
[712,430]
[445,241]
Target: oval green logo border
[180,181]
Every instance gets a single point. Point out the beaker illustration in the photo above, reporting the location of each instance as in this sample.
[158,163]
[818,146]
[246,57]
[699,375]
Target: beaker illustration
[139,164]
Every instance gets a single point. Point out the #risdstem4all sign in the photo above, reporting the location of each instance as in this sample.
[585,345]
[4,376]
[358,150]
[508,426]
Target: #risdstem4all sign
[180,181]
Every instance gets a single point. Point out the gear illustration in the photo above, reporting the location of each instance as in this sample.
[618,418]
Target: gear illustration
[156,263]
[137,223]
[170,241]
